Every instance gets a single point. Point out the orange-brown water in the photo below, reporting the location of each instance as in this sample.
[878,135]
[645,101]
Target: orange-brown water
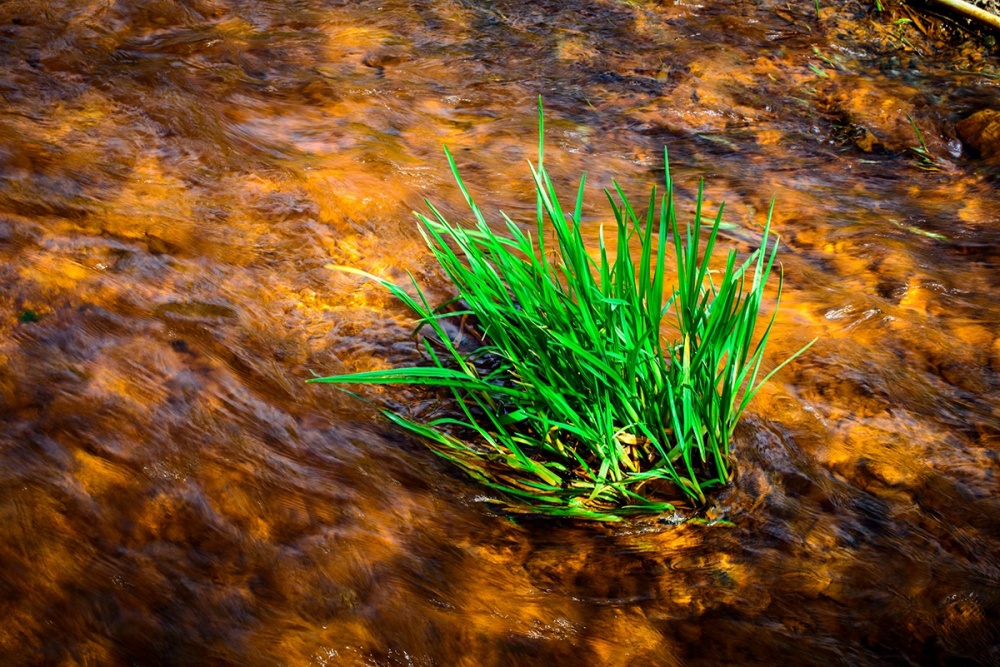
[175,176]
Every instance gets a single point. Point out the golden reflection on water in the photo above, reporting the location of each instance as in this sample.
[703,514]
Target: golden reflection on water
[174,179]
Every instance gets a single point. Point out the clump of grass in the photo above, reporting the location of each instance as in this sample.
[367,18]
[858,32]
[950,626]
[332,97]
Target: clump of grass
[925,160]
[575,403]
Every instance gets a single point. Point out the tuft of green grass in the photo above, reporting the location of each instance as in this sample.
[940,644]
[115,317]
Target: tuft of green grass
[576,402]
[925,160]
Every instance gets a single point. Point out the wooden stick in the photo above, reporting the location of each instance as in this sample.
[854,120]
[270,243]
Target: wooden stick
[972,12]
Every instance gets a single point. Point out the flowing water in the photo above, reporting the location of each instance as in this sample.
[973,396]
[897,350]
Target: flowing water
[175,177]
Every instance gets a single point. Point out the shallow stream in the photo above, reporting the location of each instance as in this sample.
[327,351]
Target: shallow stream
[175,176]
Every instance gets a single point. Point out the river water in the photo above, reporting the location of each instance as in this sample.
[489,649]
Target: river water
[176,175]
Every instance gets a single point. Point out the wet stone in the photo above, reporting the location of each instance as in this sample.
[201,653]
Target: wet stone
[874,113]
[981,132]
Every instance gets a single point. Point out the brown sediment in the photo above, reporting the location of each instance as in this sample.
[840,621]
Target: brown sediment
[174,180]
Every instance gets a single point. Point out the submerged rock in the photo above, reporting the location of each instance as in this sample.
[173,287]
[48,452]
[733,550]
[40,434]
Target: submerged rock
[981,132]
[874,110]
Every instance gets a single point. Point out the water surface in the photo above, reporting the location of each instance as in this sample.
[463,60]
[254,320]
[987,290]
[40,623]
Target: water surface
[174,179]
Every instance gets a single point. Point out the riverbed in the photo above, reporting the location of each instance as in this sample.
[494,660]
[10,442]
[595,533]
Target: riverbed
[176,178]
